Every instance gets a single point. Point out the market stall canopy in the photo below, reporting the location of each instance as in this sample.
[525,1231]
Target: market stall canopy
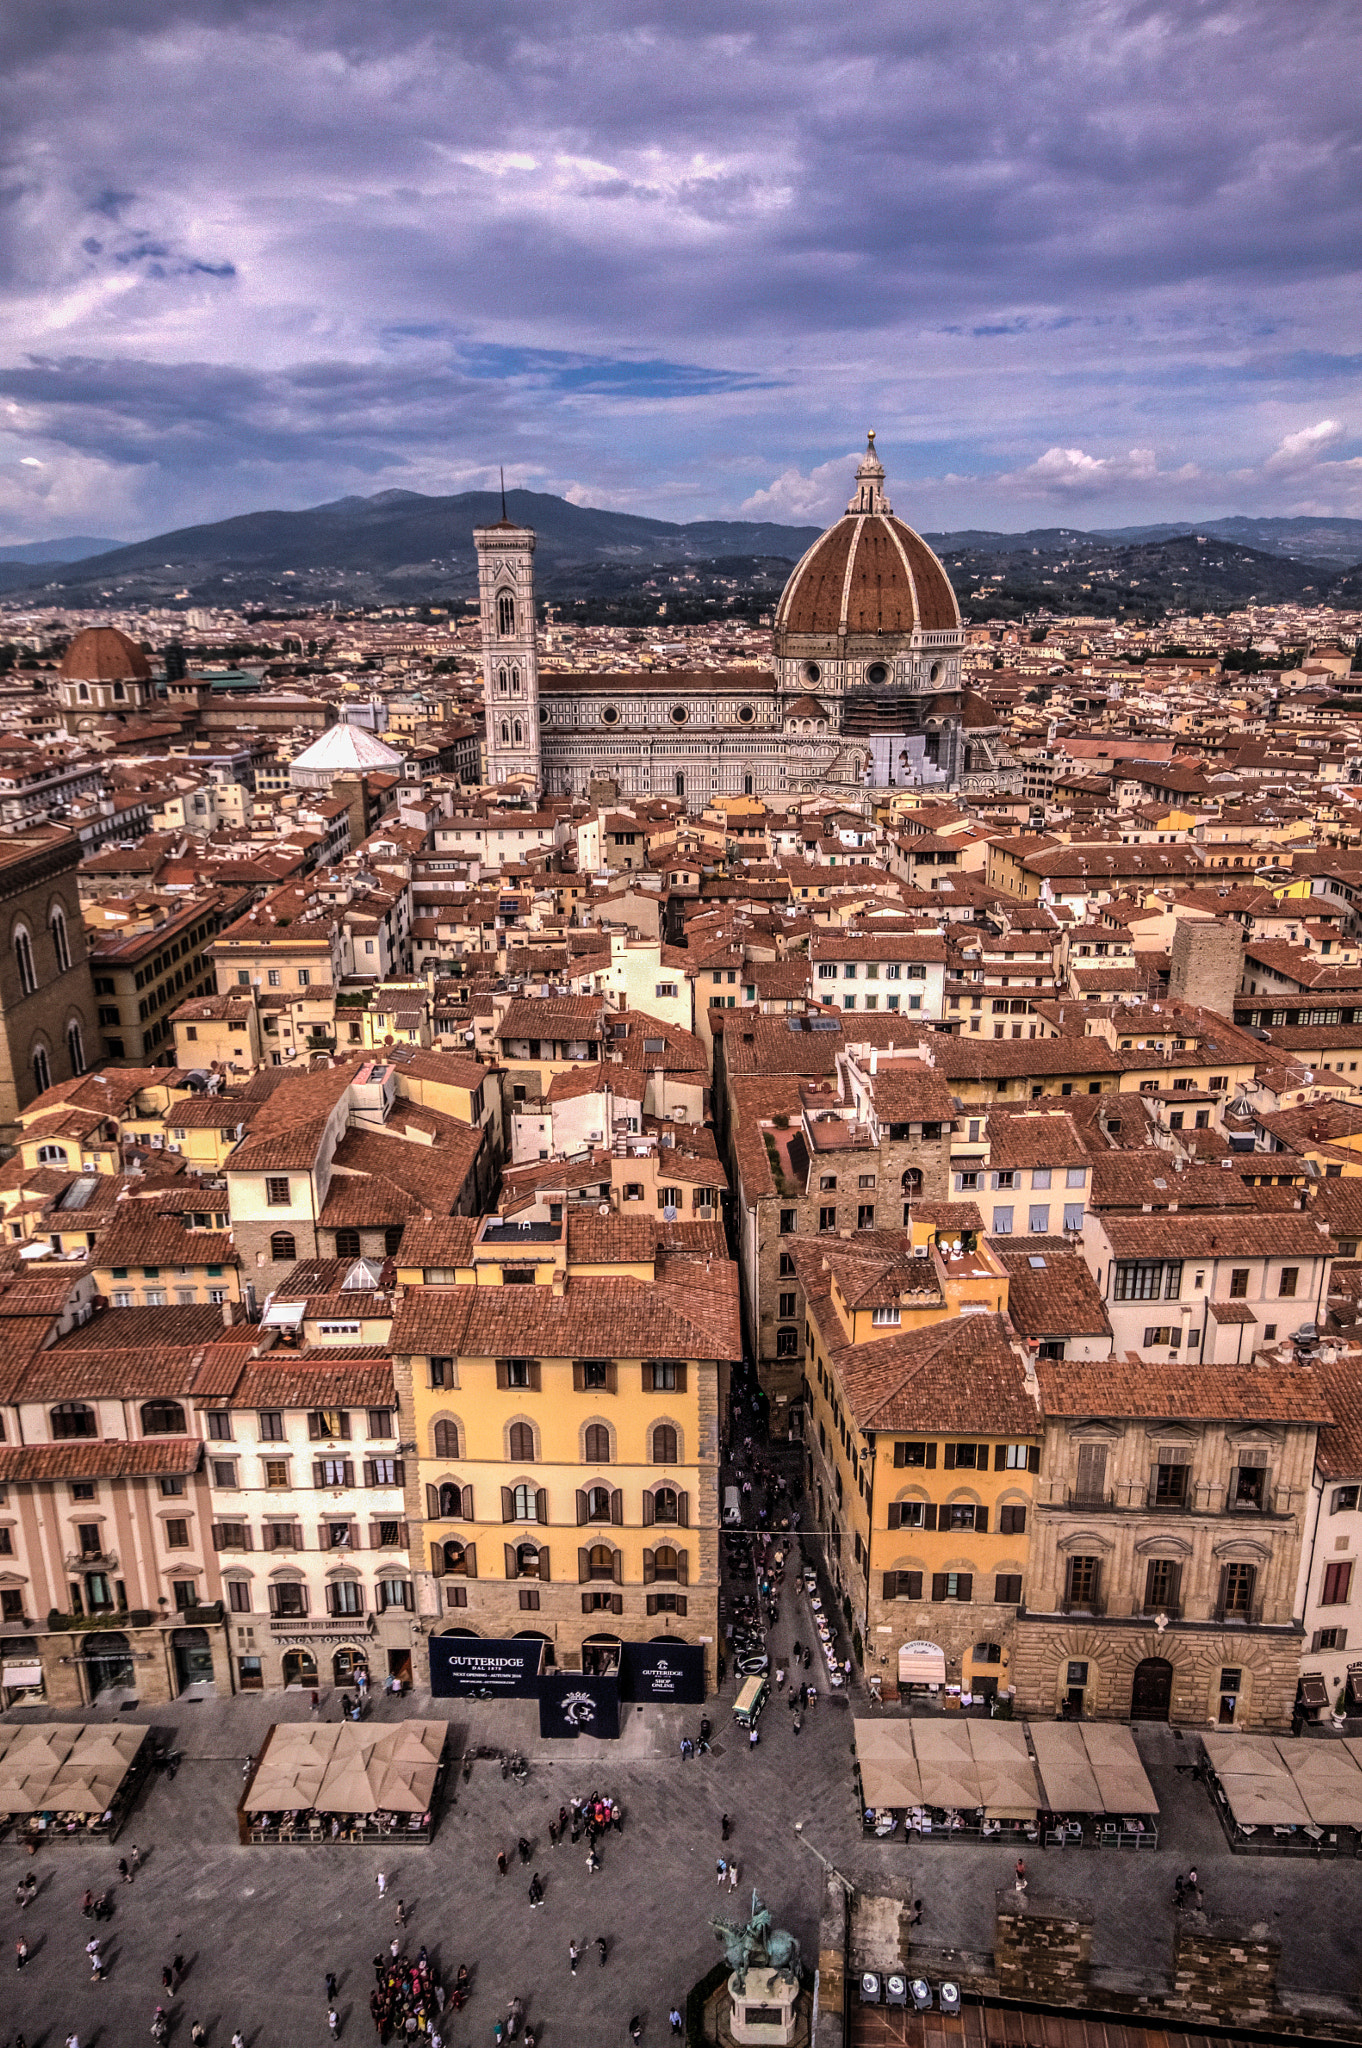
[1067,1777]
[1265,1801]
[1115,1763]
[1329,1781]
[1245,1756]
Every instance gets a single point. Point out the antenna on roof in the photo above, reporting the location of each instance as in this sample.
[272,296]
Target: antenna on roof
[503,490]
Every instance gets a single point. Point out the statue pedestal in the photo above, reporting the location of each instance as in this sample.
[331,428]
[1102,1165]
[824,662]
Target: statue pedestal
[766,2014]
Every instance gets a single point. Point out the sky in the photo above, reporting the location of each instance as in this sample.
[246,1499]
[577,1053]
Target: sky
[1078,264]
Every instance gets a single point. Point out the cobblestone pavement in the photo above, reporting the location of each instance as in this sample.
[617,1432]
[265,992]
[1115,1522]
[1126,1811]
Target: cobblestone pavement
[260,1926]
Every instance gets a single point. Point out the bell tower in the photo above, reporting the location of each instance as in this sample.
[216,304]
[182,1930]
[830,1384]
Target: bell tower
[510,653]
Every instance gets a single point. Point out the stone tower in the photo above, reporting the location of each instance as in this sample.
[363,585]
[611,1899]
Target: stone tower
[510,655]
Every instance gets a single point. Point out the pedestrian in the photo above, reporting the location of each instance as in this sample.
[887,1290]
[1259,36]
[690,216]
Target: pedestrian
[73,2041]
[600,1943]
[573,1953]
[536,1892]
[562,1822]
[167,1978]
[724,1824]
[316,1702]
[197,2035]
[237,2039]
[333,2021]
[382,1882]
[176,1972]
[553,1834]
[1021,1871]
[394,1948]
[593,1861]
[524,1850]
[636,2028]
[797,1725]
[720,1870]
[687,1747]
[330,1987]
[676,2021]
[1179,1891]
[400,1916]
[96,1966]
[135,1856]
[1194,1885]
[501,1861]
[916,1914]
[753,1738]
[123,1870]
[732,1876]
[20,1953]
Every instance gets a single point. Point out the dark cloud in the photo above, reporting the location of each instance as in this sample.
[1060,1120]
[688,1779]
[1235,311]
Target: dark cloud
[668,256]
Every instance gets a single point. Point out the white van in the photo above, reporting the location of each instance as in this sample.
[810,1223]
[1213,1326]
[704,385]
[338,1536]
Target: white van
[732,1507]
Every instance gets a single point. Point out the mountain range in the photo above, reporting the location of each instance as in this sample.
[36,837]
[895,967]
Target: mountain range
[404,547]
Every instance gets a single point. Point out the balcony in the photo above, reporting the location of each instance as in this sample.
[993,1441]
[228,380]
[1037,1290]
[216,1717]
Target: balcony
[1171,1609]
[1092,1603]
[91,1561]
[1081,1497]
[1238,1617]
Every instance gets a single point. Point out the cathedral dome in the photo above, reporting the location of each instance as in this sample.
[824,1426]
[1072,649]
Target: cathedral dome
[868,576]
[101,654]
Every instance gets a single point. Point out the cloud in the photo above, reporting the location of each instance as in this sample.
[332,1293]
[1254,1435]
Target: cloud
[1302,450]
[676,256]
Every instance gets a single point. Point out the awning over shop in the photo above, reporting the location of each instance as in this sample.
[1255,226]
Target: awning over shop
[21,1674]
[1091,1767]
[921,1664]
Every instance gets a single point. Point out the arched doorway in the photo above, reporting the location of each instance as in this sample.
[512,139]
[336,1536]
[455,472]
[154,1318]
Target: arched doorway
[108,1660]
[537,1635]
[300,1667]
[601,1656]
[346,1663]
[1152,1690]
[193,1657]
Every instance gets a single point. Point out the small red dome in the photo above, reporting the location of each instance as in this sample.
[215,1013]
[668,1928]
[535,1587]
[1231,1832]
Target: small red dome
[101,654]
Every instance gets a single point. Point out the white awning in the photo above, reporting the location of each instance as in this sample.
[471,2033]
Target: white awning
[921,1664]
[21,1674]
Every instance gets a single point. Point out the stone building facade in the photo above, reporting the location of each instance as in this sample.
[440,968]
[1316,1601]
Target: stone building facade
[1166,1543]
[46,994]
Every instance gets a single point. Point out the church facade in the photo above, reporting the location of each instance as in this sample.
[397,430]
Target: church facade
[864,689]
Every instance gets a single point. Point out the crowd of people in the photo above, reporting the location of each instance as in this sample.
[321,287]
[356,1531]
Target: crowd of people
[408,1998]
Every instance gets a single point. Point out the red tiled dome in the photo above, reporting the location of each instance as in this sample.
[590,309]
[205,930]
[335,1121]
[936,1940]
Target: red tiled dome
[868,575]
[101,654]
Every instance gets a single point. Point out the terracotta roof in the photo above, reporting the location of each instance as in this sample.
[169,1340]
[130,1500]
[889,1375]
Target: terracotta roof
[960,1374]
[139,1236]
[1216,1235]
[591,1318]
[378,1180]
[601,1240]
[567,1018]
[101,654]
[317,1379]
[868,574]
[909,1091]
[144,1457]
[1133,1386]
[1051,1293]
[1232,1312]
[1338,1453]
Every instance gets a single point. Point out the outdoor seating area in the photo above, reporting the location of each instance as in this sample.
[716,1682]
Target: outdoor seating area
[1286,1795]
[1004,1781]
[65,1780]
[341,1781]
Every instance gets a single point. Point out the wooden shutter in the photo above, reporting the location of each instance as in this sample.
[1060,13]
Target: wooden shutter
[370,1474]
[649,1508]
[1000,1457]
[617,1563]
[509,1549]
[647,1379]
[683,1567]
[432,1503]
[541,1505]
[347,1472]
[617,1603]
[950,1458]
[1033,1458]
[683,1510]
[317,1479]
[345,1424]
[503,1373]
[938,1585]
[681,1605]
[544,1572]
[399,1477]
[981,1521]
[895,1522]
[650,1603]
[314,1426]
[929,1515]
[583,1566]
[437,1562]
[612,1377]
[649,1567]
[456,1596]
[217,1536]
[581,1506]
[931,1457]
[507,1504]
[914,1587]
[681,1371]
[964,1582]
[616,1506]
[891,1585]
[900,1456]
[536,1377]
[467,1503]
[1092,1470]
[578,1376]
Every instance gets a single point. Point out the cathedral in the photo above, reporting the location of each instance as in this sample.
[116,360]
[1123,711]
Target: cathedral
[863,690]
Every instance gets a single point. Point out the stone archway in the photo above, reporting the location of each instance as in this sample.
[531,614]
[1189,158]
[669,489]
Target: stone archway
[1151,1690]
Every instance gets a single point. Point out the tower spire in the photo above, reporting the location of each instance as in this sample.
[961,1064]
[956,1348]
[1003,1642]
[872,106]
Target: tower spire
[869,494]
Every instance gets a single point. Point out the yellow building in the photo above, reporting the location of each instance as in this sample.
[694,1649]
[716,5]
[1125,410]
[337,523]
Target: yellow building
[922,1441]
[145,1259]
[218,1031]
[566,1387]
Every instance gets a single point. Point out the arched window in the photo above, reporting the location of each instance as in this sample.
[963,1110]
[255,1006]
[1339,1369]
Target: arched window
[526,1506]
[664,1563]
[598,1504]
[600,1561]
[515,682]
[505,733]
[665,1504]
[283,1245]
[519,732]
[680,785]
[521,1442]
[61,944]
[987,1653]
[42,1069]
[75,1047]
[597,1444]
[455,1560]
[451,1501]
[446,1436]
[527,1560]
[52,1155]
[23,960]
[505,613]
[501,682]
[72,1418]
[83,692]
[664,1444]
[162,1418]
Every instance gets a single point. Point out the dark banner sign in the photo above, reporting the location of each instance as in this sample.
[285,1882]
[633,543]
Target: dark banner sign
[571,1703]
[665,1674]
[470,1668]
